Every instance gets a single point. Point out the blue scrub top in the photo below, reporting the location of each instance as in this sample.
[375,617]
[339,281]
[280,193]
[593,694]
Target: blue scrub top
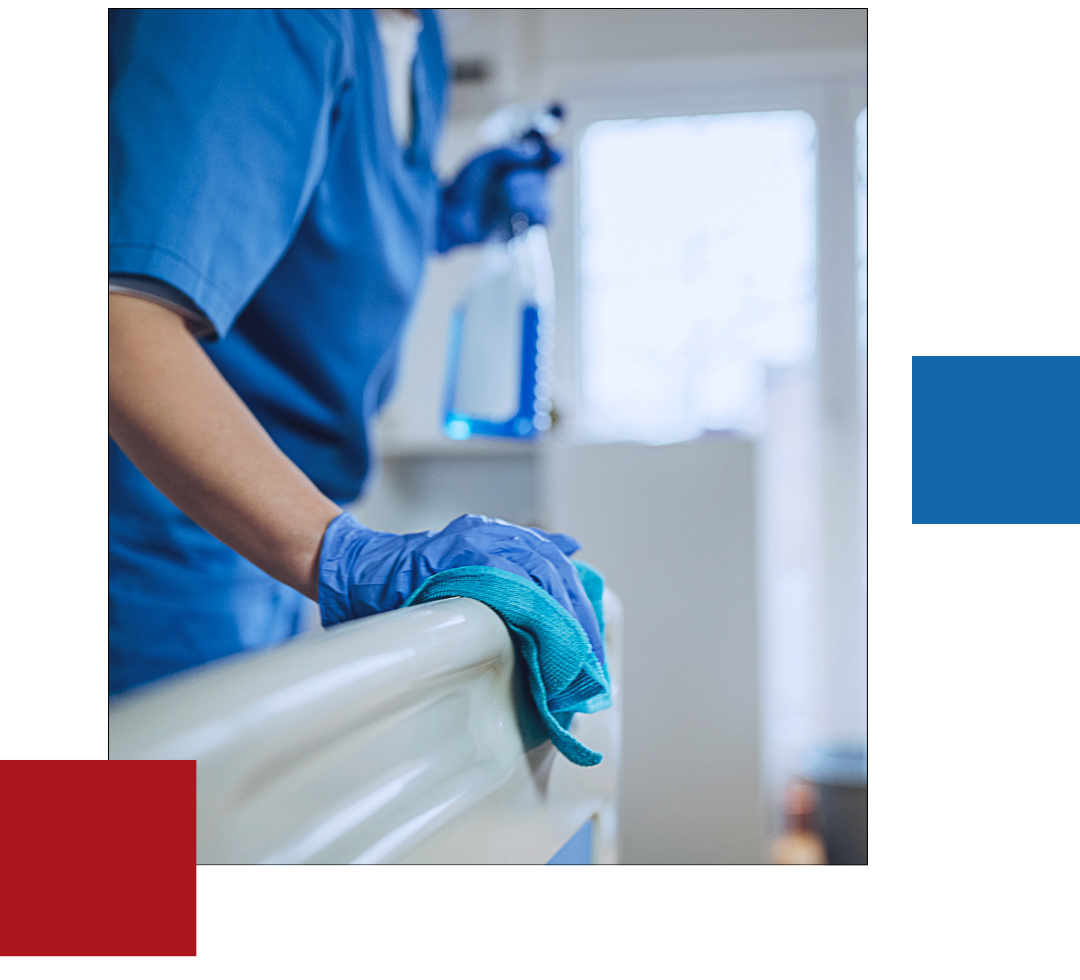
[252,167]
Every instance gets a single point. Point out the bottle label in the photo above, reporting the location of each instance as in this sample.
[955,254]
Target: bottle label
[488,376]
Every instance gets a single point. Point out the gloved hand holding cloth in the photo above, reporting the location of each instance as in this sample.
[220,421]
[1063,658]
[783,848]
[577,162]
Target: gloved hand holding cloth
[550,605]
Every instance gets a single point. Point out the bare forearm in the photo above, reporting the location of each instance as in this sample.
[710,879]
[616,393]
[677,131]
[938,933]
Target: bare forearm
[188,432]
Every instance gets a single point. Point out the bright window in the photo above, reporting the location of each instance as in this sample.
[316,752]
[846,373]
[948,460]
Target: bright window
[698,269]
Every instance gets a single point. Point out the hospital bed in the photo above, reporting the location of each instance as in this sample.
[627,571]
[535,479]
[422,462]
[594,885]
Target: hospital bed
[407,737]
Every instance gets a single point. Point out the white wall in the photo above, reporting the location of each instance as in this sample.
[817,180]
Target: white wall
[673,529]
[521,44]
[592,35]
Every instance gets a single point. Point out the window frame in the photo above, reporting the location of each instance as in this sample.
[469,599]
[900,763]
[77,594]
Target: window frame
[829,86]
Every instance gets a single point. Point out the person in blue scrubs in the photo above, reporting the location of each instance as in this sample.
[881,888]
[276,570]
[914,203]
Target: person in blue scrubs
[268,231]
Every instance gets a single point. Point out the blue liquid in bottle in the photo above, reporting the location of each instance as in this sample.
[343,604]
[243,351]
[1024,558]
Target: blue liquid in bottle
[499,359]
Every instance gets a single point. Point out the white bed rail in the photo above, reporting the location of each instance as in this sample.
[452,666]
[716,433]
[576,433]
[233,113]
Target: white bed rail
[406,737]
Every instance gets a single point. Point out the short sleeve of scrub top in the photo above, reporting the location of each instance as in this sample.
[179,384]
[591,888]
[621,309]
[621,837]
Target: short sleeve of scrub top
[254,168]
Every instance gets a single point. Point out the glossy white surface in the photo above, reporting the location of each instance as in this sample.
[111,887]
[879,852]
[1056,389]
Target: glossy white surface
[403,737]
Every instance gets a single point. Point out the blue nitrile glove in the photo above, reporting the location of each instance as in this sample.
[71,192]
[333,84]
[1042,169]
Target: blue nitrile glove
[362,571]
[493,187]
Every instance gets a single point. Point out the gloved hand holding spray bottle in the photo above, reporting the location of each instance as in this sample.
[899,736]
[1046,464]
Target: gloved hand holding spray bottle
[499,363]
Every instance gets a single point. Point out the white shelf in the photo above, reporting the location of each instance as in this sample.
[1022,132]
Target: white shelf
[465,449]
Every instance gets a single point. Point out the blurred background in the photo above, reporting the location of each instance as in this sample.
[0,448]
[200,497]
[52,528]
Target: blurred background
[709,443]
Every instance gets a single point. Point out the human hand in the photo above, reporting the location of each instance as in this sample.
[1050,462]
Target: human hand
[364,571]
[492,188]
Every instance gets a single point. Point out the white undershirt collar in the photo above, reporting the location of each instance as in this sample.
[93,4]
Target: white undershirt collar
[398,33]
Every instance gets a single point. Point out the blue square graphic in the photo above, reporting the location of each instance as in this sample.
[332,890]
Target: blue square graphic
[995,440]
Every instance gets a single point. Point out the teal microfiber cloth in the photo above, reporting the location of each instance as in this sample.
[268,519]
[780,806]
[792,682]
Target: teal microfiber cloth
[565,675]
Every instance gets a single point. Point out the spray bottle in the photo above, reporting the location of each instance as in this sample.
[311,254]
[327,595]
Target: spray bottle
[498,377]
